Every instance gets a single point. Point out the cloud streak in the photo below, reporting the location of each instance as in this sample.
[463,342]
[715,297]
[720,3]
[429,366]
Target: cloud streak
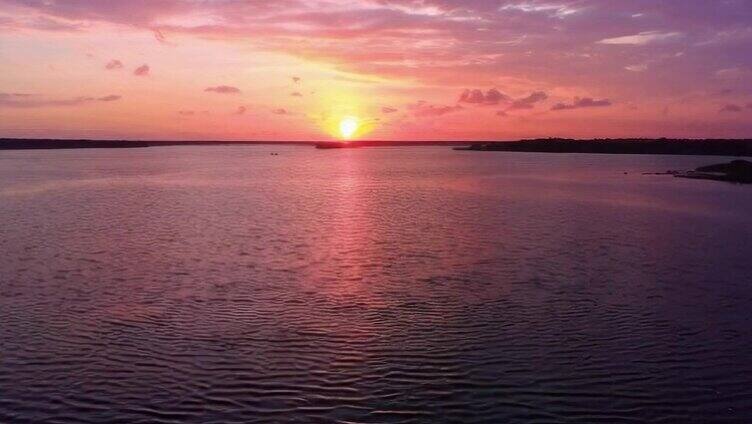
[642,38]
[26,101]
[529,101]
[223,89]
[423,109]
[580,103]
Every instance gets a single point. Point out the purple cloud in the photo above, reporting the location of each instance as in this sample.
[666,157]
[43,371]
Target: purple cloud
[583,102]
[223,89]
[529,101]
[731,108]
[387,109]
[490,97]
[280,111]
[142,71]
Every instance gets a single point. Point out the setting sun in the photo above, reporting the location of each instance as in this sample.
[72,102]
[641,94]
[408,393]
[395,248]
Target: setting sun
[348,126]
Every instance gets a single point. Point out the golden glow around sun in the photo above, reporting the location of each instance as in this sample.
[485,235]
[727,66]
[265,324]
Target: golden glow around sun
[348,126]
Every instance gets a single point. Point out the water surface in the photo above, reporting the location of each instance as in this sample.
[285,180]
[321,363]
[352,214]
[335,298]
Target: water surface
[223,284]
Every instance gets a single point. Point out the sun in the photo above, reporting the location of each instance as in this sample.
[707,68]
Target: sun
[348,126]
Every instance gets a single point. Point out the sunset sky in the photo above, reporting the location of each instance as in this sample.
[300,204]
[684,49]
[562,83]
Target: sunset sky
[404,69]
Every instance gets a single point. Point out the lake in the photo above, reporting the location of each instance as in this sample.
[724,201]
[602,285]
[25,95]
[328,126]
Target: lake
[382,285]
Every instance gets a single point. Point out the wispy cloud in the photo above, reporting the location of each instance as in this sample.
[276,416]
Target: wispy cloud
[529,101]
[422,109]
[110,98]
[636,68]
[642,38]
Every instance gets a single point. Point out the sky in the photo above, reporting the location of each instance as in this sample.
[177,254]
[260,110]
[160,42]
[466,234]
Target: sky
[400,69]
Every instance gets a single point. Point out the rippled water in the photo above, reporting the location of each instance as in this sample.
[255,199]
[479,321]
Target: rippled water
[200,284]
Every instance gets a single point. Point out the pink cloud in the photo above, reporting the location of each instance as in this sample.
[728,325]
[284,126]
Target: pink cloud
[142,71]
[280,111]
[387,109]
[240,110]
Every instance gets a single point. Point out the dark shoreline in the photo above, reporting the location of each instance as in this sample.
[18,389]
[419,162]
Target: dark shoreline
[38,143]
[31,144]
[664,146]
[706,147]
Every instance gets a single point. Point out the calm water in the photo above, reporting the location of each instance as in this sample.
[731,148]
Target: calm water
[198,284]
